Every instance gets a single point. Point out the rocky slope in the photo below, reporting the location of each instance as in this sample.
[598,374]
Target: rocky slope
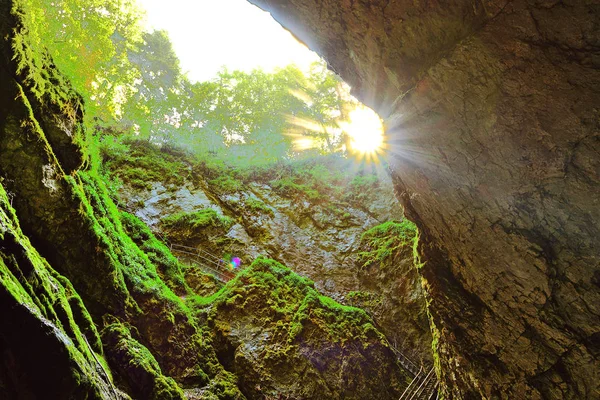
[492,115]
[95,307]
[326,219]
[295,345]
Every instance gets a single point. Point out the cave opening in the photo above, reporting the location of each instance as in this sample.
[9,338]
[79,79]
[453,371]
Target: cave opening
[294,166]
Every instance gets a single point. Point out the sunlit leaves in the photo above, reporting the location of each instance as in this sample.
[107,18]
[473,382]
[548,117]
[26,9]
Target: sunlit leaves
[260,117]
[155,100]
[88,40]
[133,80]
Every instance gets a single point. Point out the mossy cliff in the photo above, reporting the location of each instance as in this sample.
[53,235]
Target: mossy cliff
[93,305]
[390,287]
[282,338]
[46,330]
[328,219]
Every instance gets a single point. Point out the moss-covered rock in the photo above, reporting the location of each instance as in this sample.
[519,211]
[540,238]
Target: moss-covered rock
[48,342]
[195,226]
[390,288]
[71,220]
[137,367]
[282,338]
[321,220]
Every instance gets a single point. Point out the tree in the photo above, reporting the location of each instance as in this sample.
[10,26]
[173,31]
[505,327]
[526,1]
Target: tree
[88,40]
[153,107]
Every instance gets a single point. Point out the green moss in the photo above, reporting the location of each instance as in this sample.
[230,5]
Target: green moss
[33,288]
[318,181]
[168,266]
[361,187]
[287,303]
[133,268]
[186,225]
[416,255]
[370,302]
[139,163]
[385,241]
[288,187]
[258,206]
[226,184]
[138,366]
[224,387]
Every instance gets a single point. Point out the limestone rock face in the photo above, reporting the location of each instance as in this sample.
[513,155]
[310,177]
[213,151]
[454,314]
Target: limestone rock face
[492,117]
[317,239]
[320,237]
[283,339]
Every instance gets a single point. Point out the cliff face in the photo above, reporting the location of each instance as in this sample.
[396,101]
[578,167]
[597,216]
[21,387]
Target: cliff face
[492,117]
[324,219]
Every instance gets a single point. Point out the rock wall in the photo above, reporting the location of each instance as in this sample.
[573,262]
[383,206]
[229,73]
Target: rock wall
[317,231]
[493,127]
[316,237]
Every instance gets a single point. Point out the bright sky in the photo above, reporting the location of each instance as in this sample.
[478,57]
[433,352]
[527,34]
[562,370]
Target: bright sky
[207,34]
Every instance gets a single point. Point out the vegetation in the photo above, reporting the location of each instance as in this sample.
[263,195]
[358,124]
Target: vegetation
[317,180]
[139,162]
[386,241]
[33,289]
[132,85]
[269,321]
[168,266]
[186,225]
[89,42]
[370,302]
[287,302]
[257,206]
[135,360]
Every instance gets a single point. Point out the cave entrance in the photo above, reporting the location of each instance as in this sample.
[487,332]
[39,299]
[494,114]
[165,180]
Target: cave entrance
[269,155]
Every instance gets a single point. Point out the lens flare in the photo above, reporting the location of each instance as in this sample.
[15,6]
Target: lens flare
[365,132]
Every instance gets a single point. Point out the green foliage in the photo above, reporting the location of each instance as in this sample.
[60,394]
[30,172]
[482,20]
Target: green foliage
[139,163]
[196,220]
[226,184]
[152,108]
[362,186]
[289,188]
[253,117]
[387,240]
[257,205]
[87,40]
[132,80]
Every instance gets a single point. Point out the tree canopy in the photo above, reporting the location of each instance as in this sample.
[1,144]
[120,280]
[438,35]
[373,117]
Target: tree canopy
[131,82]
